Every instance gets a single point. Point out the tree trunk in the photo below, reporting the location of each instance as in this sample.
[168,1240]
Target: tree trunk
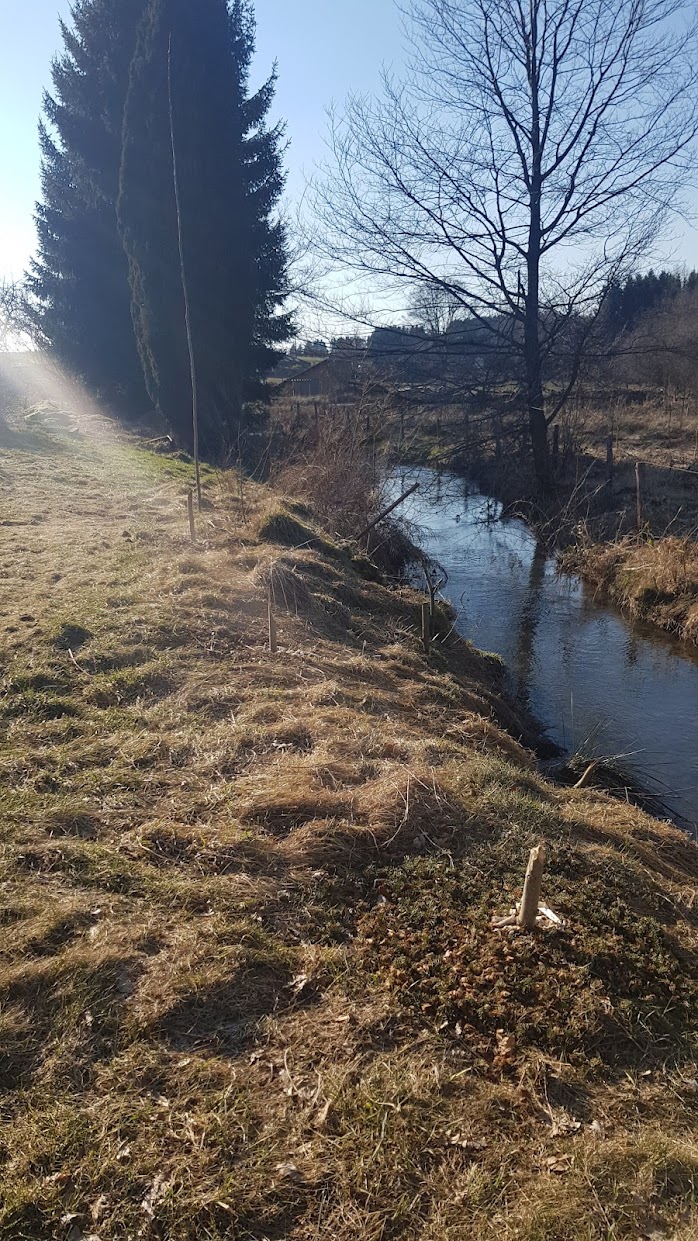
[538,431]
[537,426]
[535,402]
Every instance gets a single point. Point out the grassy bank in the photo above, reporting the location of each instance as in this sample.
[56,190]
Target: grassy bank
[651,581]
[248,982]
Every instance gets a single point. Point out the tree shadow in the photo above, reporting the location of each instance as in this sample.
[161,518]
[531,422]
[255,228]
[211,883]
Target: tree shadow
[223,1019]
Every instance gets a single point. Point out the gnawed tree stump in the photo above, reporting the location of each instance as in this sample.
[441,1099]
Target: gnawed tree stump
[533,883]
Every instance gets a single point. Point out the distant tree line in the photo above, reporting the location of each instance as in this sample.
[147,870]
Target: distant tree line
[627,302]
[139,84]
[641,321]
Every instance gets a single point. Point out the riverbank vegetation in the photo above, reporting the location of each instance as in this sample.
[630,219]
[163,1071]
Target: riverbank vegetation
[652,581]
[248,979]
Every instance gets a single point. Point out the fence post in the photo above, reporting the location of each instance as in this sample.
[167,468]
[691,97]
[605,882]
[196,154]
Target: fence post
[426,628]
[272,625]
[190,510]
[609,461]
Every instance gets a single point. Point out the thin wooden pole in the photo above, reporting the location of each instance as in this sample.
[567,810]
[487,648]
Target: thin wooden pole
[367,529]
[273,645]
[190,509]
[426,628]
[185,289]
[530,899]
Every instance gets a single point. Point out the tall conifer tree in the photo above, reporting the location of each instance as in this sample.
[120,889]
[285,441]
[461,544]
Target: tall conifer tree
[79,295]
[230,180]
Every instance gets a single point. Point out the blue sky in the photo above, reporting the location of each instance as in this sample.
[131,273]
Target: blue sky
[324,48]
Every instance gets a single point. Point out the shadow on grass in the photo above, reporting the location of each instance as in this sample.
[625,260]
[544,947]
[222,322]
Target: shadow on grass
[223,1018]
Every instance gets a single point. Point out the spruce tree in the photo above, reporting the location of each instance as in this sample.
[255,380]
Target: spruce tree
[197,56]
[79,296]
[263,180]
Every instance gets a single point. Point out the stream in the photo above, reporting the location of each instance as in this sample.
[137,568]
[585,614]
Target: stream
[600,684]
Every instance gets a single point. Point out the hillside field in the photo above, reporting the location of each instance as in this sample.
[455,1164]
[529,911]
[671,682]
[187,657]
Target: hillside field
[249,985]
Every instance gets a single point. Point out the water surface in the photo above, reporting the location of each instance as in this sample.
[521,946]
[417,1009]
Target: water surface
[596,681]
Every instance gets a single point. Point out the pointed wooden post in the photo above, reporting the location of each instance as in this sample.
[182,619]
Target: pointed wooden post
[190,510]
[530,899]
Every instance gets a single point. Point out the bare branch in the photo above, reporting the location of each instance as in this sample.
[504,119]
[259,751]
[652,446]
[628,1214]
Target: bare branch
[533,151]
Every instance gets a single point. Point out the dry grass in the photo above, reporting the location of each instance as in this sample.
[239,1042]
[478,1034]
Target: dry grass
[660,429]
[328,458]
[247,982]
[653,580]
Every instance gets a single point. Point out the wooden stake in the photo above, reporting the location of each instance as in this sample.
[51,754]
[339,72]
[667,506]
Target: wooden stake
[533,883]
[272,625]
[638,493]
[426,628]
[190,509]
[386,511]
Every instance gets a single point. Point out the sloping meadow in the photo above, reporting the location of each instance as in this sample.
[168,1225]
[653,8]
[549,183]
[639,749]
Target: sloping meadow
[249,985]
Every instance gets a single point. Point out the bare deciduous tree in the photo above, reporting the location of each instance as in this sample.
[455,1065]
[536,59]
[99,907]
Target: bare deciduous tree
[12,326]
[532,152]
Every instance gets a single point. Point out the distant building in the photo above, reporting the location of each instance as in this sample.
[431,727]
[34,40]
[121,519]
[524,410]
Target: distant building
[335,376]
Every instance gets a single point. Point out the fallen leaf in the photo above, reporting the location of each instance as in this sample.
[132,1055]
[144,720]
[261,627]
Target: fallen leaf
[471,1146]
[59,1178]
[324,1114]
[157,1191]
[505,1050]
[563,1125]
[288,1171]
[559,1164]
[99,1207]
[299,985]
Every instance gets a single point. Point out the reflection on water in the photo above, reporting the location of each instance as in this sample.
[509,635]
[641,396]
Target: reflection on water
[598,683]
